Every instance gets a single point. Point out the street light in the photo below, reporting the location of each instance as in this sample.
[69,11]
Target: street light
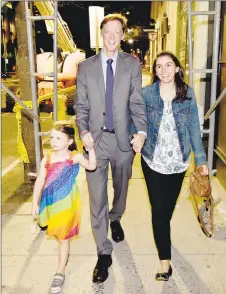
[130,41]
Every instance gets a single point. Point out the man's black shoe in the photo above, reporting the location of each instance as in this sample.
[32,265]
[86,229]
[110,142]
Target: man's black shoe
[100,273]
[117,231]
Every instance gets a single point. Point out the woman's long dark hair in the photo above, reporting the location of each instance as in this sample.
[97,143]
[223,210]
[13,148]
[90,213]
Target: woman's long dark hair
[181,86]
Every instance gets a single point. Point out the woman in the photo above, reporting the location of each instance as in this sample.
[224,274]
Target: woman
[173,130]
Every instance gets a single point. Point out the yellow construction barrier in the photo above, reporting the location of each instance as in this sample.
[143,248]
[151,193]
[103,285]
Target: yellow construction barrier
[61,107]
[20,144]
[23,155]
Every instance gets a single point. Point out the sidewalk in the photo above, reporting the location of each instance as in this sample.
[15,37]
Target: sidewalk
[199,264]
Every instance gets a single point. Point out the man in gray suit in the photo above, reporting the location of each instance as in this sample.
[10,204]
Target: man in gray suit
[108,101]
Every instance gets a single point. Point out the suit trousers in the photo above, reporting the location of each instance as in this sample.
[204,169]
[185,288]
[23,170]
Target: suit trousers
[121,166]
[163,190]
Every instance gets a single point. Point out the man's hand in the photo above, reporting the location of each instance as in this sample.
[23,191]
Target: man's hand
[138,142]
[88,141]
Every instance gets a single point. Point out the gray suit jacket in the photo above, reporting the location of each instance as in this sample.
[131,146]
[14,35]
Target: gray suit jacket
[128,105]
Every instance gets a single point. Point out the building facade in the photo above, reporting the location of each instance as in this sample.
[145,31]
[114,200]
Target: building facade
[221,123]
[171,27]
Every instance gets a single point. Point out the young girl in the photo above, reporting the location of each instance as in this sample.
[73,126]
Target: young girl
[60,207]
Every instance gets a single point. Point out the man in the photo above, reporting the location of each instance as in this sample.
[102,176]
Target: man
[108,100]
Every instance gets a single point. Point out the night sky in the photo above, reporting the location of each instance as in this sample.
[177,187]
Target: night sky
[75,14]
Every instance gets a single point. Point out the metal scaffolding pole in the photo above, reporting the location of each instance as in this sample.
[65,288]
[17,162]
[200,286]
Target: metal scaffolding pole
[216,30]
[29,19]
[212,108]
[55,60]
[213,71]
[8,91]
[190,49]
[33,85]
[34,113]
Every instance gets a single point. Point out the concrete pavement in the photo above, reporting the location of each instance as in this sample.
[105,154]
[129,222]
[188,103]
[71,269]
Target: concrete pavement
[199,264]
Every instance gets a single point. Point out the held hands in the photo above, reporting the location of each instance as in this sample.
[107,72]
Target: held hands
[138,142]
[88,141]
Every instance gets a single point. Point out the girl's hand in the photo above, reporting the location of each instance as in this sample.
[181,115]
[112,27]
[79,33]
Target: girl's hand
[205,169]
[87,141]
[35,210]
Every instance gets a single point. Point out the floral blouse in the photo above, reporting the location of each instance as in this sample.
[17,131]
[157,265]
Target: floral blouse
[167,157]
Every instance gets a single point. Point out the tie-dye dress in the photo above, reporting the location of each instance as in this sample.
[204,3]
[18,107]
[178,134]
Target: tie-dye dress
[60,207]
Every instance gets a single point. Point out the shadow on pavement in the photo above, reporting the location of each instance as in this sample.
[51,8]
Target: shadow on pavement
[17,290]
[186,272]
[170,287]
[33,249]
[131,278]
[219,233]
[22,194]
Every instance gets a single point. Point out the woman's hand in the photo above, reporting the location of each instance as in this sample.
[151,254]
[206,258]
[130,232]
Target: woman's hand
[138,142]
[205,169]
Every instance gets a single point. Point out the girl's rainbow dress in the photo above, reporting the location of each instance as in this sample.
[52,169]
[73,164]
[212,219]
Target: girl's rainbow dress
[60,207]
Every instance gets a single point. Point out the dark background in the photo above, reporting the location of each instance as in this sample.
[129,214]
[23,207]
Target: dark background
[76,15]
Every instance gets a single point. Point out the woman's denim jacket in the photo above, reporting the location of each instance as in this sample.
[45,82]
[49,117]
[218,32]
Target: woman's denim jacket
[186,120]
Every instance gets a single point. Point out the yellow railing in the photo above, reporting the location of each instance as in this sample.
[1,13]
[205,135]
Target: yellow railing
[59,92]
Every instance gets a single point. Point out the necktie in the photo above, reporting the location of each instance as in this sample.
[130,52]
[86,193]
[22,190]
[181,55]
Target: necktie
[108,96]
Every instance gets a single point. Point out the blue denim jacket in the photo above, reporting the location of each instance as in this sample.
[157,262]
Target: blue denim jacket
[186,119]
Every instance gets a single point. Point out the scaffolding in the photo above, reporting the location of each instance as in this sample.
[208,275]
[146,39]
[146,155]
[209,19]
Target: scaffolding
[29,19]
[49,13]
[34,112]
[213,71]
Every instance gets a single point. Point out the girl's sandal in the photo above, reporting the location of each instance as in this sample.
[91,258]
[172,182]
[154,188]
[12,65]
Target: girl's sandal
[57,283]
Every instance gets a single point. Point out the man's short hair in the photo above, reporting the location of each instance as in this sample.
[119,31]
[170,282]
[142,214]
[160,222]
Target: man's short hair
[115,16]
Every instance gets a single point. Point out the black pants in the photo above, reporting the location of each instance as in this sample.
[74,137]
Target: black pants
[163,192]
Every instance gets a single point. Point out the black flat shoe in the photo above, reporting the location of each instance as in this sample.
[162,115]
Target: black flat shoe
[164,276]
[117,231]
[100,273]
